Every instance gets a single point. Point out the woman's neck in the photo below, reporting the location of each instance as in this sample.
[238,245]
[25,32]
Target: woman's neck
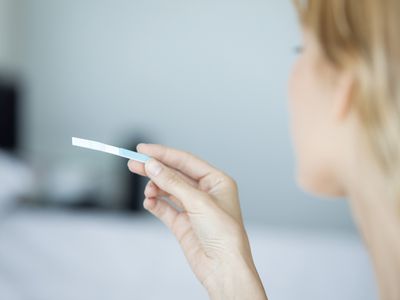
[377,215]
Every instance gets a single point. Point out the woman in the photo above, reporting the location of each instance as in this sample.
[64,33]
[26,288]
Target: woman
[345,110]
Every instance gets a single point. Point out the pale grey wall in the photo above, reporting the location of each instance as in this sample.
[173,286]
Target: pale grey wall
[4,31]
[206,76]
[7,30]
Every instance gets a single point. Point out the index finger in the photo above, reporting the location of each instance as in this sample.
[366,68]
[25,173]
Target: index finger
[180,160]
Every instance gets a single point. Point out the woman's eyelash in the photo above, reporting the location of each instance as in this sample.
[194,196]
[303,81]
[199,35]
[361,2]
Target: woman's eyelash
[299,49]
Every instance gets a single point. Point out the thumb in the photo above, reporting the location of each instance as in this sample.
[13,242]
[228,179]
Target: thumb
[168,180]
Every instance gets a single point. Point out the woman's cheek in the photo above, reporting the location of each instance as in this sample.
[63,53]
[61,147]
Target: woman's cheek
[302,113]
[310,130]
[296,104]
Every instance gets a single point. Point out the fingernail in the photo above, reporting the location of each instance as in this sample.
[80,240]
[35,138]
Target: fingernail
[153,167]
[140,145]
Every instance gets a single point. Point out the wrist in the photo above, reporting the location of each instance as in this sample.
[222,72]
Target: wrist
[236,280]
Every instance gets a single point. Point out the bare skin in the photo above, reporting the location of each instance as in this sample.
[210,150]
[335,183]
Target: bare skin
[332,160]
[377,217]
[208,224]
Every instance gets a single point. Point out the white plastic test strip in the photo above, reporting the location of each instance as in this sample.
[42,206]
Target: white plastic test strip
[97,146]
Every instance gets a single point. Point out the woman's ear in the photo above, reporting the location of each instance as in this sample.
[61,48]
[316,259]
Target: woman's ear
[343,95]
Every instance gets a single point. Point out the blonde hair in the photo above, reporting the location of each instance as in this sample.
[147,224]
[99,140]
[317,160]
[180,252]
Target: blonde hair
[365,36]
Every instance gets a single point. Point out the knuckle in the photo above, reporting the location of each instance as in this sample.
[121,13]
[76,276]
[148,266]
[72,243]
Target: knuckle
[148,185]
[186,235]
[172,179]
[188,155]
[185,158]
[228,181]
[164,152]
[232,183]
[219,179]
[159,209]
[203,199]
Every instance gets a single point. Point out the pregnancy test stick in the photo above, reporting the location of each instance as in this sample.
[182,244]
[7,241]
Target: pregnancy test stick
[109,149]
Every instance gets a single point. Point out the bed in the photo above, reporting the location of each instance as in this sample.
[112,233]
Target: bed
[51,254]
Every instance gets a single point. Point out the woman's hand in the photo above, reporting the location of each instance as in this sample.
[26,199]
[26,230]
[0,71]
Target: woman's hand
[206,220]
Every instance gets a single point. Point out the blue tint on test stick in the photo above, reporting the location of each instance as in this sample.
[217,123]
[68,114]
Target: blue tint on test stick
[133,155]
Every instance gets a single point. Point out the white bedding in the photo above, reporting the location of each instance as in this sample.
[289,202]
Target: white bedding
[57,255]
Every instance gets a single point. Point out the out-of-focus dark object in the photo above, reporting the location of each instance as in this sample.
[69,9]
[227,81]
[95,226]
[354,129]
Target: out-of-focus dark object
[17,180]
[8,116]
[70,185]
[134,185]
[16,177]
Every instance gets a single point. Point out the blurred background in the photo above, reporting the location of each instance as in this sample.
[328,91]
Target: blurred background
[205,76]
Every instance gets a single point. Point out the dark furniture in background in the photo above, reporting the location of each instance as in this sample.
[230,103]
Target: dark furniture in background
[134,184]
[8,116]
[9,142]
